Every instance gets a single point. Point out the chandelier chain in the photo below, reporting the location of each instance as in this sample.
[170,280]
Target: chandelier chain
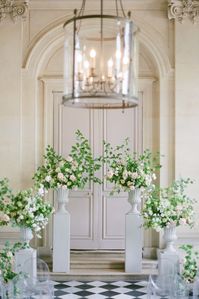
[122,8]
[82,9]
[118,4]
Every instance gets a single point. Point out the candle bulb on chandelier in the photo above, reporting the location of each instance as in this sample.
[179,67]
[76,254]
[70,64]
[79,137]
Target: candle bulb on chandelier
[103,78]
[92,55]
[86,68]
[79,66]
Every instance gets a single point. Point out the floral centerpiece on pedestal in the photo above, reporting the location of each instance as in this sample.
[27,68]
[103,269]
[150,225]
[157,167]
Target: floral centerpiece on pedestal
[64,174]
[130,171]
[29,210]
[72,172]
[5,201]
[169,206]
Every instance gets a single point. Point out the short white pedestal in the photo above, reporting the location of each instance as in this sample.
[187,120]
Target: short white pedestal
[26,261]
[168,263]
[133,243]
[61,242]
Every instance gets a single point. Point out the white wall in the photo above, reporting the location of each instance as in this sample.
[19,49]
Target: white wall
[10,105]
[187,109]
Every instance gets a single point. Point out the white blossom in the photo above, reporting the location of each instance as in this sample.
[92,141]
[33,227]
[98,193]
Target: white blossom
[183,221]
[69,159]
[132,187]
[41,191]
[6,201]
[134,175]
[72,178]
[110,174]
[4,217]
[48,178]
[61,176]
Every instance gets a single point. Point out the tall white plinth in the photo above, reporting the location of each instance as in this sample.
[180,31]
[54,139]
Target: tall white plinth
[133,234]
[133,243]
[61,235]
[61,243]
[168,263]
[26,262]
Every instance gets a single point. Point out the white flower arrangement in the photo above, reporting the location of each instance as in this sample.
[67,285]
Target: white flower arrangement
[25,209]
[28,209]
[5,201]
[129,172]
[72,172]
[169,206]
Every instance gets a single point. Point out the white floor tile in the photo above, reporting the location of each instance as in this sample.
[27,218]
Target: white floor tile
[121,283]
[73,283]
[97,283]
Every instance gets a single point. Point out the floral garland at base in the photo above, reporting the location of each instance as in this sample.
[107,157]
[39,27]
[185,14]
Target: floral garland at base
[190,263]
[7,254]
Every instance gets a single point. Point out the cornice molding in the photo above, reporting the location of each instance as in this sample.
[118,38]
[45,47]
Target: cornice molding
[13,8]
[183,9]
[94,4]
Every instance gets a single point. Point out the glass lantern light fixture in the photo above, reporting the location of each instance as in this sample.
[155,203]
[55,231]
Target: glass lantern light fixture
[100,59]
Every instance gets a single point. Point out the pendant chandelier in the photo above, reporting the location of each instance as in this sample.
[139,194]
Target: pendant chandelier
[100,59]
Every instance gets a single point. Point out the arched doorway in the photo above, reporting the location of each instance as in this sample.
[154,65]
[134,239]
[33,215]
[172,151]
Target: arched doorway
[45,63]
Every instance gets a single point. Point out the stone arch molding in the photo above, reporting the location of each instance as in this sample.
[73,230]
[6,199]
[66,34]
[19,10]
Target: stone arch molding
[51,41]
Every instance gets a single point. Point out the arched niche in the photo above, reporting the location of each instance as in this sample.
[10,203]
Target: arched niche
[43,71]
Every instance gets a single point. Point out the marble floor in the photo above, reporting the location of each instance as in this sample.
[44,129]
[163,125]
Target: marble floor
[100,290]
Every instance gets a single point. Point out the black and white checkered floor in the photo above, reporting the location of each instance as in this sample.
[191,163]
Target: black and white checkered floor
[100,290]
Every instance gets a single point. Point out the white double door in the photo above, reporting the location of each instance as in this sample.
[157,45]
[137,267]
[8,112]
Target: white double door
[97,219]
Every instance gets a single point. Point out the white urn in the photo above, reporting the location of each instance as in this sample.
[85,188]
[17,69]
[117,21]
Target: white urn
[134,198]
[170,237]
[26,234]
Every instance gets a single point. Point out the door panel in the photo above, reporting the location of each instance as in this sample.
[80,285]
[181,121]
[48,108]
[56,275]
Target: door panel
[81,204]
[117,126]
[81,220]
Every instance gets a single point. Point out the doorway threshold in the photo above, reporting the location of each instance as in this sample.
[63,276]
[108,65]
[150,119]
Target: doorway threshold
[107,265]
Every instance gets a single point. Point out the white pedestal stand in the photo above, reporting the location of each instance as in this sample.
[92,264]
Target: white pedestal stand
[168,259]
[26,259]
[133,235]
[61,234]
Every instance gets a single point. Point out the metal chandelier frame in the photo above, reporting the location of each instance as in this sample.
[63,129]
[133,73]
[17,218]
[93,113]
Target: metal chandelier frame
[97,90]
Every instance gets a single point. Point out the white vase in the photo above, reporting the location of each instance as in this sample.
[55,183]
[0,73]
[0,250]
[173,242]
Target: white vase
[26,234]
[62,199]
[170,237]
[134,198]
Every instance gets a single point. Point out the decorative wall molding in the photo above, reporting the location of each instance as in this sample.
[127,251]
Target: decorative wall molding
[182,9]
[13,8]
[94,5]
